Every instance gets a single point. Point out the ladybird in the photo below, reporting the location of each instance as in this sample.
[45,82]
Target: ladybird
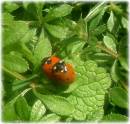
[63,73]
[48,63]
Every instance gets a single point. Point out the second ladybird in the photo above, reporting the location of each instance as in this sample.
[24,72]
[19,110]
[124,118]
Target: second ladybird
[63,73]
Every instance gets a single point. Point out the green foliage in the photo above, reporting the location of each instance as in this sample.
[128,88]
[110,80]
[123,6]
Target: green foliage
[61,11]
[88,96]
[51,118]
[15,62]
[42,49]
[115,117]
[38,110]
[90,36]
[7,18]
[22,108]
[109,43]
[9,113]
[124,22]
[57,31]
[110,22]
[10,7]
[119,97]
[13,32]
[94,11]
[59,105]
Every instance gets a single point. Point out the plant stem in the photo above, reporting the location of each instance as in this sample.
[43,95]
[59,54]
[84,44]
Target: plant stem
[14,74]
[27,79]
[107,50]
[21,77]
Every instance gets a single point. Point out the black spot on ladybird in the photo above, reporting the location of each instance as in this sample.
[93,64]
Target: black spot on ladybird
[48,61]
[45,60]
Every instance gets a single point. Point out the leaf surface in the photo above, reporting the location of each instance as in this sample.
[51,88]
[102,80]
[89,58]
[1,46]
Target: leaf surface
[51,118]
[119,97]
[43,49]
[15,62]
[57,12]
[14,32]
[109,43]
[38,110]
[115,117]
[89,94]
[111,22]
[22,108]
[57,31]
[56,104]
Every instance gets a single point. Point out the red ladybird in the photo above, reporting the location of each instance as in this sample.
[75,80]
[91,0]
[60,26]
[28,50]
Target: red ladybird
[47,65]
[57,70]
[63,73]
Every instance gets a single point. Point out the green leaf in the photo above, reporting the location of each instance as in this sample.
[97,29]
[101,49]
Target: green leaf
[114,74]
[109,43]
[99,30]
[100,58]
[7,18]
[88,97]
[28,37]
[51,118]
[9,113]
[22,108]
[119,97]
[10,6]
[38,110]
[27,53]
[57,30]
[124,22]
[39,7]
[25,5]
[33,11]
[69,119]
[110,22]
[14,32]
[74,47]
[123,54]
[95,21]
[115,117]
[61,11]
[81,29]
[15,62]
[43,49]
[21,46]
[94,11]
[56,104]
[124,62]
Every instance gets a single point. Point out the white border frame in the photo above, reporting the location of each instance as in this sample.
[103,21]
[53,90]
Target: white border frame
[63,1]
